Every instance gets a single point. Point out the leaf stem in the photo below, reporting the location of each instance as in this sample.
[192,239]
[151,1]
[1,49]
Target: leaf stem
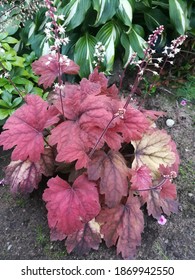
[102,135]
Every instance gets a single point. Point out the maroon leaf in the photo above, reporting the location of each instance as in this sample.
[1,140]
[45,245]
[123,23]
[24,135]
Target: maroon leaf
[141,179]
[112,170]
[83,240]
[24,129]
[159,201]
[69,208]
[48,67]
[123,225]
[23,176]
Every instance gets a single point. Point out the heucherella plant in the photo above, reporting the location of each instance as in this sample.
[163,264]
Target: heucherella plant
[104,150]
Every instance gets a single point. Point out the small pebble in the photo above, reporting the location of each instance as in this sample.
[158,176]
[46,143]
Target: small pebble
[170,122]
[190,194]
[9,247]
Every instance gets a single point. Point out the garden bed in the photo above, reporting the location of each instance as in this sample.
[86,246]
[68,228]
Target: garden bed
[24,232]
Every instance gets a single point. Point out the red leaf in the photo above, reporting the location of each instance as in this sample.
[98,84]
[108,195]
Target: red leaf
[133,125]
[70,144]
[69,208]
[100,79]
[48,67]
[159,201]
[153,115]
[124,225]
[87,119]
[24,176]
[141,179]
[112,170]
[83,240]
[24,129]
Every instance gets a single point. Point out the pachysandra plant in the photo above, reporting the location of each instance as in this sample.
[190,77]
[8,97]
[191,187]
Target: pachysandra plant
[105,152]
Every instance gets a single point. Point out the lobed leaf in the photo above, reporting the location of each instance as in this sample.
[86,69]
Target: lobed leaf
[141,179]
[24,129]
[112,171]
[85,239]
[122,226]
[48,67]
[70,207]
[153,150]
[24,176]
[159,201]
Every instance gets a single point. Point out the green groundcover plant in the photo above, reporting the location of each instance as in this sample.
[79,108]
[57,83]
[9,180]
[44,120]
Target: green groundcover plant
[105,159]
[16,77]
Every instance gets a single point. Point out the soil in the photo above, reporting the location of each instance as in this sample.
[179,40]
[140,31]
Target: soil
[24,233]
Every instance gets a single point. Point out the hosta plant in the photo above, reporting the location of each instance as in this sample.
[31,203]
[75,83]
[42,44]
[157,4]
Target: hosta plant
[105,159]
[121,25]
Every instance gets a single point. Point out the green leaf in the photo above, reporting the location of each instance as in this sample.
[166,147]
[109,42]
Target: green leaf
[18,61]
[3,81]
[20,81]
[106,9]
[154,18]
[7,97]
[16,102]
[135,35]
[7,65]
[109,36]
[84,54]
[75,12]
[4,113]
[4,104]
[29,87]
[128,49]
[9,87]
[178,15]
[3,35]
[125,11]
[10,40]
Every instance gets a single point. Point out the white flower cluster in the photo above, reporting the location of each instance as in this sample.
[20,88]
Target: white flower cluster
[99,54]
[55,32]
[171,51]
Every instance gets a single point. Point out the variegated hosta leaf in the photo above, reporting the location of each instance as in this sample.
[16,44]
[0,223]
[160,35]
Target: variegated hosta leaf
[178,15]
[153,150]
[109,35]
[154,18]
[84,54]
[106,9]
[75,12]
[125,11]
[135,36]
[128,49]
